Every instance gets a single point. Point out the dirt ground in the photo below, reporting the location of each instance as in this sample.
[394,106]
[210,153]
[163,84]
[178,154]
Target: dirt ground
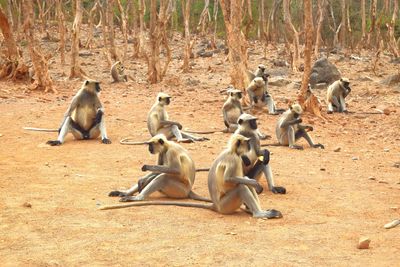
[49,195]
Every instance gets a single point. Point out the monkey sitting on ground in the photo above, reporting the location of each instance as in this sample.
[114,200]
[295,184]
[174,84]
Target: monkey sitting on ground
[173,175]
[158,123]
[118,72]
[289,128]
[253,166]
[336,94]
[232,109]
[259,96]
[84,117]
[228,186]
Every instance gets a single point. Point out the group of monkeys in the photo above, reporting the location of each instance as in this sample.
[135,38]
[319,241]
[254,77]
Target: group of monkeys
[233,179]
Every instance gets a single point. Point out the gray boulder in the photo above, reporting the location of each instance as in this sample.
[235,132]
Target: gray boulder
[324,72]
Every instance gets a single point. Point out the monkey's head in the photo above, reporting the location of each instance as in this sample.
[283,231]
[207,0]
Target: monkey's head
[296,110]
[261,67]
[119,66]
[157,143]
[163,99]
[259,81]
[345,82]
[235,93]
[247,121]
[92,86]
[239,144]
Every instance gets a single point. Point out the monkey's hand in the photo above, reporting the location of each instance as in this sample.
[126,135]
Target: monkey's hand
[299,120]
[278,190]
[106,141]
[266,157]
[309,128]
[259,188]
[116,194]
[145,168]
[54,143]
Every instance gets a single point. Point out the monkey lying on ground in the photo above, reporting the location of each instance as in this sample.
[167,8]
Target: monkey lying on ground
[228,186]
[118,72]
[289,129]
[84,117]
[253,166]
[173,175]
[336,94]
[158,123]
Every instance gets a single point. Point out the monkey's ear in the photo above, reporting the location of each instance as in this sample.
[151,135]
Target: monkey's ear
[161,141]
[86,82]
[240,121]
[341,79]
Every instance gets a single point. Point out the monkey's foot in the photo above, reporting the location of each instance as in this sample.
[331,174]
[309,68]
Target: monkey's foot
[116,194]
[329,112]
[265,137]
[269,214]
[106,141]
[259,189]
[278,190]
[184,140]
[296,147]
[54,143]
[319,146]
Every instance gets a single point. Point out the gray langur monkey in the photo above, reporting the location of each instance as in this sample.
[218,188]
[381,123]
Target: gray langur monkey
[118,72]
[159,123]
[84,117]
[256,161]
[173,175]
[336,94]
[227,185]
[232,109]
[259,96]
[289,129]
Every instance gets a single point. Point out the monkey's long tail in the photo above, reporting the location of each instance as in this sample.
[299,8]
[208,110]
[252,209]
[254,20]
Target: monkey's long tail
[206,132]
[203,170]
[128,141]
[158,203]
[40,129]
[271,144]
[194,196]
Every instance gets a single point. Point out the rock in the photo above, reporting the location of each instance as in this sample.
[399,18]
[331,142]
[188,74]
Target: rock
[396,165]
[392,224]
[85,54]
[386,149]
[280,63]
[391,80]
[395,60]
[354,158]
[320,86]
[382,182]
[371,178]
[278,81]
[365,79]
[337,149]
[27,205]
[386,111]
[323,72]
[363,243]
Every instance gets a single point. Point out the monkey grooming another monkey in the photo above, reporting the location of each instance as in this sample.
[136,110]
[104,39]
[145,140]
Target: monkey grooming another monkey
[289,129]
[118,72]
[253,166]
[84,117]
[336,94]
[158,122]
[173,175]
[228,186]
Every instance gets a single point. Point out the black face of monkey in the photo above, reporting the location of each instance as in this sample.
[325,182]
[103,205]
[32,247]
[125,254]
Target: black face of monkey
[296,115]
[239,95]
[253,124]
[346,85]
[97,87]
[151,148]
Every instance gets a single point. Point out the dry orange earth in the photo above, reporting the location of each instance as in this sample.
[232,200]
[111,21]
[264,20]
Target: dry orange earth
[333,198]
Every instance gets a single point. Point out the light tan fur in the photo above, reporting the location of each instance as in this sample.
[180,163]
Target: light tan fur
[118,72]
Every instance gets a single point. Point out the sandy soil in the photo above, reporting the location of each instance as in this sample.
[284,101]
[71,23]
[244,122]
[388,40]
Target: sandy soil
[49,195]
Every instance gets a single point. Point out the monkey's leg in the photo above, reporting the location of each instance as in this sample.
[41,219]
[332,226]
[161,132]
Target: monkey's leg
[335,104]
[292,138]
[99,125]
[270,105]
[177,133]
[342,107]
[305,135]
[270,180]
[64,129]
[135,188]
[194,138]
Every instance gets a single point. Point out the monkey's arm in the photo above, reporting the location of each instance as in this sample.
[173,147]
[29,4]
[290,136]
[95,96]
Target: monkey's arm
[160,169]
[250,92]
[245,181]
[305,127]
[166,123]
[291,122]
[72,106]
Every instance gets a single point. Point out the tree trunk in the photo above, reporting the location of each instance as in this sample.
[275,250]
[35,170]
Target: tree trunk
[372,29]
[124,29]
[343,24]
[249,20]
[232,12]
[272,22]
[140,45]
[186,18]
[40,63]
[11,45]
[321,15]
[363,21]
[92,11]
[215,17]
[61,30]
[205,18]
[290,28]
[76,71]
[261,21]
[392,40]
[306,98]
[111,38]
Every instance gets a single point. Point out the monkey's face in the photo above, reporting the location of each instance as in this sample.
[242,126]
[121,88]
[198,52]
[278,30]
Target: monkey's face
[236,95]
[346,84]
[253,124]
[295,115]
[156,146]
[92,86]
[164,100]
[242,146]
